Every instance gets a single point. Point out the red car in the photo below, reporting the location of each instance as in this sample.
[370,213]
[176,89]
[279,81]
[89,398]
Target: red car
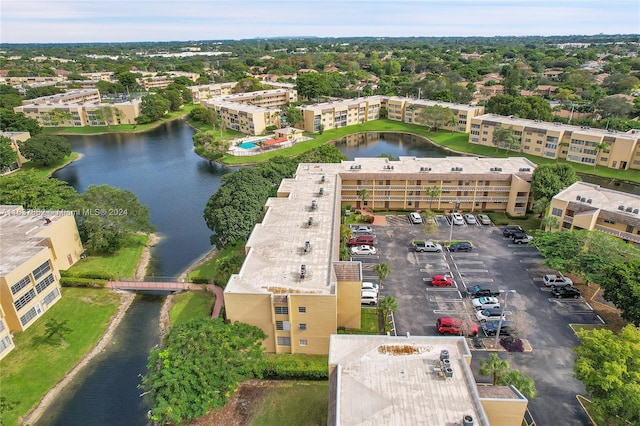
[441,281]
[456,326]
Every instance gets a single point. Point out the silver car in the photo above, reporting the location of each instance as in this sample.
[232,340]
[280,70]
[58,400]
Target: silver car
[470,219]
[484,219]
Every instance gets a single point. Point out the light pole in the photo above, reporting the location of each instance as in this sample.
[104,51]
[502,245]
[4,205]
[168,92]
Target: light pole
[506,296]
[457,204]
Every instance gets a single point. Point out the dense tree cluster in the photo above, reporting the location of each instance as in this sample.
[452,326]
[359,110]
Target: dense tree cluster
[45,149]
[200,366]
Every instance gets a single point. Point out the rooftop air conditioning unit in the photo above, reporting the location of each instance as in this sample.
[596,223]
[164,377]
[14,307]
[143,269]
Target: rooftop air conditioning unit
[303,271]
[629,209]
[578,198]
[589,201]
[583,199]
[310,221]
[635,211]
[314,204]
[307,246]
[322,179]
[621,208]
[321,192]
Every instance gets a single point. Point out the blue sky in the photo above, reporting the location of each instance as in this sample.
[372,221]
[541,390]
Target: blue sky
[58,21]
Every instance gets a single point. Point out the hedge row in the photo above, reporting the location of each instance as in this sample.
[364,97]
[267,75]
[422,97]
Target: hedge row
[297,367]
[96,275]
[200,280]
[82,282]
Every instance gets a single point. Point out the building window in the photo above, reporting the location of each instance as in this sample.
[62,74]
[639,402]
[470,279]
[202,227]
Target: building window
[609,221]
[41,270]
[303,326]
[44,283]
[302,309]
[284,341]
[556,212]
[283,325]
[20,284]
[303,342]
[26,318]
[24,299]
[5,343]
[53,295]
[282,310]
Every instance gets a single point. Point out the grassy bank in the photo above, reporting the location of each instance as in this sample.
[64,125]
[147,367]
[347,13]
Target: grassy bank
[294,403]
[121,264]
[190,305]
[38,363]
[46,171]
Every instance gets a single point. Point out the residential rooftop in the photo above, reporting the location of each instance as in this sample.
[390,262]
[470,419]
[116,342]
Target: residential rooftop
[19,239]
[387,380]
[222,102]
[595,196]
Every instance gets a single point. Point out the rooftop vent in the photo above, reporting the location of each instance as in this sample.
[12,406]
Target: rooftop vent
[303,271]
[314,205]
[578,198]
[456,169]
[307,246]
[322,179]
[635,211]
[321,192]
[629,209]
[621,208]
[525,169]
[310,221]
[583,199]
[495,169]
[388,167]
[425,169]
[356,166]
[589,201]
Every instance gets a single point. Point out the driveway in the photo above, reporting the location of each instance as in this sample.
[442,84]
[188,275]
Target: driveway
[497,263]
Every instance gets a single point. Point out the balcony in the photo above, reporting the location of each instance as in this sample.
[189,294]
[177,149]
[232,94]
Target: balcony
[567,219]
[620,234]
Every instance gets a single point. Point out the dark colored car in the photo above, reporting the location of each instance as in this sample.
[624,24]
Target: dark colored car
[462,246]
[566,293]
[510,230]
[490,328]
[478,291]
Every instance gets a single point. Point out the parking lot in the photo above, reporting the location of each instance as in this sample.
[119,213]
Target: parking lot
[497,263]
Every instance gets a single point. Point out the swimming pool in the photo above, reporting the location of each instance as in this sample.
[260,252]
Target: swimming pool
[247,145]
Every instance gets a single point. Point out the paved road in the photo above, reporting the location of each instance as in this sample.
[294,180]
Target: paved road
[496,263]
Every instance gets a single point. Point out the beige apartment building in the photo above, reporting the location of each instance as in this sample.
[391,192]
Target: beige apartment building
[35,246]
[206,91]
[73,97]
[341,113]
[6,339]
[578,144]
[292,284]
[15,138]
[82,114]
[413,380]
[589,206]
[265,98]
[245,118]
[27,81]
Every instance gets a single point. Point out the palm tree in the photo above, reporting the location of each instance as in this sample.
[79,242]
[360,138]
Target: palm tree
[386,305]
[433,192]
[600,146]
[494,367]
[382,270]
[524,384]
[364,195]
[550,222]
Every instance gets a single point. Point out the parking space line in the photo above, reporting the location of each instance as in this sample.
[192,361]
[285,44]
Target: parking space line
[482,280]
[525,253]
[539,260]
[472,270]
[469,261]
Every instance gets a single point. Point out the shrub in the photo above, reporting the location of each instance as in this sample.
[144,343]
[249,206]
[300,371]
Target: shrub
[200,280]
[97,275]
[271,128]
[512,344]
[82,282]
[297,367]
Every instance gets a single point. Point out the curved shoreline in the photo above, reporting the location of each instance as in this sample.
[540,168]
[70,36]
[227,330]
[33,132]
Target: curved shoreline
[126,300]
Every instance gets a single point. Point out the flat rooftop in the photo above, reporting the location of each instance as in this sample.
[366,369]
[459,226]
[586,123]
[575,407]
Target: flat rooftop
[555,126]
[277,244]
[601,198]
[427,102]
[387,380]
[19,229]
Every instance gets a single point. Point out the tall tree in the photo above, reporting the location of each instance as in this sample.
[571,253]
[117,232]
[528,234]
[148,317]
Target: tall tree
[45,149]
[622,287]
[7,155]
[505,137]
[31,191]
[434,117]
[382,270]
[56,328]
[549,179]
[56,117]
[312,85]
[293,115]
[609,366]
[493,367]
[18,122]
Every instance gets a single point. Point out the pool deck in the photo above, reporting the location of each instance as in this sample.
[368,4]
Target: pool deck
[238,151]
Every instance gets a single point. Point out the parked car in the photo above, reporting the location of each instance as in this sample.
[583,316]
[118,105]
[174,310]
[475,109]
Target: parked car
[369,286]
[441,281]
[362,230]
[488,302]
[484,219]
[470,219]
[359,240]
[557,280]
[478,291]
[363,250]
[566,292]
[457,219]
[522,238]
[369,298]
[485,315]
[490,328]
[510,230]
[461,246]
[415,218]
[423,246]
[456,326]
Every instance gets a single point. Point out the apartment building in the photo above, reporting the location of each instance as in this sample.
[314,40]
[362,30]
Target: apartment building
[15,138]
[72,97]
[578,144]
[292,284]
[27,81]
[347,112]
[82,114]
[340,113]
[156,82]
[588,206]
[408,110]
[245,118]
[264,98]
[35,246]
[206,91]
[6,338]
[413,380]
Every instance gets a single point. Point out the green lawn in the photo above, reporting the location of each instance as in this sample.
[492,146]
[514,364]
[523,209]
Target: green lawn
[46,171]
[298,403]
[529,223]
[368,323]
[122,264]
[209,269]
[37,364]
[190,305]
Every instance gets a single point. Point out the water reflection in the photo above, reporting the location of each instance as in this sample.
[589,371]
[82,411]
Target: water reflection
[374,144]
